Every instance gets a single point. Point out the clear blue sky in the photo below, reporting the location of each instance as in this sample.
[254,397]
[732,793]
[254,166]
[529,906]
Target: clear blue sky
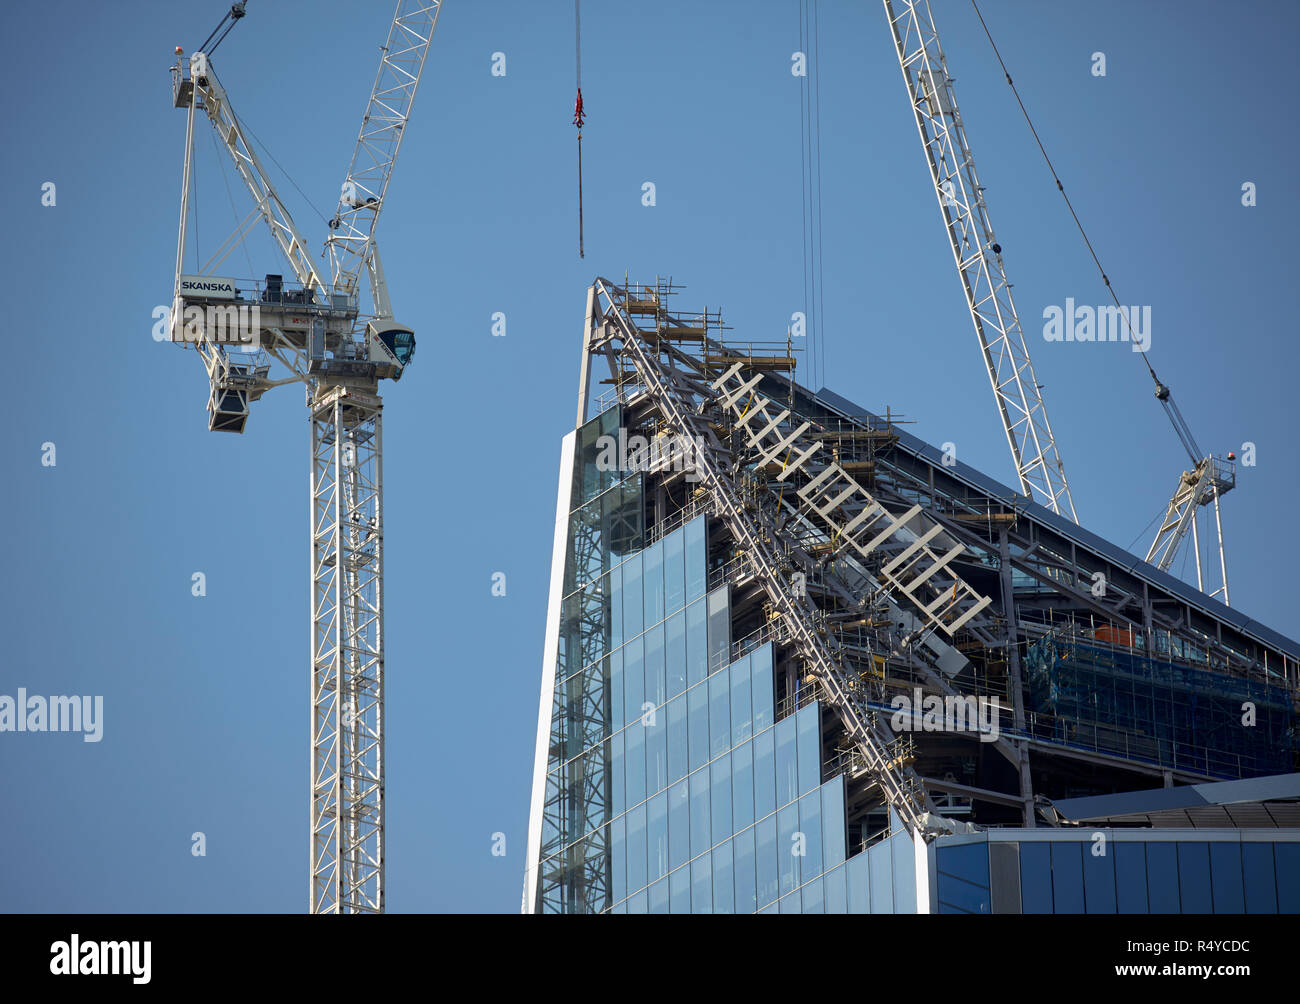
[205,699]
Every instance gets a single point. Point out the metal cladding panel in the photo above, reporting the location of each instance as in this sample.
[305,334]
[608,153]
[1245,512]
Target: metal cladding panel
[1059,524]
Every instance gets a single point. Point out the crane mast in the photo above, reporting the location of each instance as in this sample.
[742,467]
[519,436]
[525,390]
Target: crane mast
[316,330]
[978,256]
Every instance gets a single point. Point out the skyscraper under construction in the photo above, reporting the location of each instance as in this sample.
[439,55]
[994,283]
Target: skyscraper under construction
[797,660]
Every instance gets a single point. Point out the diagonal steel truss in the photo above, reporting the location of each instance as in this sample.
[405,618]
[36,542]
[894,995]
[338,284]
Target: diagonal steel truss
[978,256]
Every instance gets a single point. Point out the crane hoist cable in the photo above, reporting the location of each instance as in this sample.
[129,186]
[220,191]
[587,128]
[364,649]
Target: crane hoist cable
[228,22]
[1162,392]
[578,114]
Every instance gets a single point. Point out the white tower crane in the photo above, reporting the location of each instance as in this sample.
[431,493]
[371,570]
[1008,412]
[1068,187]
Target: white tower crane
[978,256]
[315,329]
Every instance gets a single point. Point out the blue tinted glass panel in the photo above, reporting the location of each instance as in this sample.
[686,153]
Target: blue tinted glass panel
[617,770]
[813,897]
[1225,874]
[697,557]
[679,891]
[742,716]
[1099,878]
[697,643]
[675,653]
[635,763]
[1067,876]
[674,570]
[1286,858]
[636,848]
[659,897]
[701,885]
[719,714]
[1130,877]
[616,635]
[1162,877]
[881,864]
[809,747]
[787,767]
[837,900]
[677,744]
[762,687]
[616,702]
[633,614]
[720,796]
[857,881]
[742,786]
[904,855]
[790,904]
[652,583]
[697,703]
[1194,877]
[724,883]
[764,773]
[956,895]
[746,880]
[618,858]
[810,825]
[767,867]
[833,838]
[637,904]
[787,826]
[700,820]
[656,753]
[656,684]
[1035,877]
[1261,882]
[657,839]
[719,605]
[633,679]
[968,862]
[679,824]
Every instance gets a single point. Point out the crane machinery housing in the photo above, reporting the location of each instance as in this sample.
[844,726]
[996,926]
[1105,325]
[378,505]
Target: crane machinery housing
[313,326]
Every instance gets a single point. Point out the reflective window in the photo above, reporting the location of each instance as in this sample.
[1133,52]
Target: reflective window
[719,714]
[617,706]
[1162,877]
[762,687]
[633,679]
[697,643]
[746,882]
[656,753]
[833,837]
[677,747]
[679,891]
[637,904]
[1261,882]
[764,773]
[765,854]
[617,770]
[618,858]
[1194,877]
[962,878]
[674,570]
[724,889]
[881,864]
[719,628]
[787,827]
[720,796]
[742,786]
[1067,876]
[835,891]
[857,880]
[810,825]
[633,619]
[1286,859]
[657,839]
[812,897]
[810,747]
[701,885]
[1099,878]
[1035,877]
[1226,874]
[742,715]
[616,606]
[652,582]
[659,897]
[679,824]
[904,872]
[697,703]
[700,820]
[697,557]
[636,848]
[1130,877]
[675,653]
[656,683]
[787,768]
[635,761]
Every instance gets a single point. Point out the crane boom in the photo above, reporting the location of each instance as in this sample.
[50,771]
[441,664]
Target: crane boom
[978,256]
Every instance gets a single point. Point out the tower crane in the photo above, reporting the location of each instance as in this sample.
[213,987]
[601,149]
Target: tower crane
[988,296]
[978,256]
[312,325]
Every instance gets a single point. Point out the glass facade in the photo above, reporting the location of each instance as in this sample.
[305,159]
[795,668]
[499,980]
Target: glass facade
[1192,873]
